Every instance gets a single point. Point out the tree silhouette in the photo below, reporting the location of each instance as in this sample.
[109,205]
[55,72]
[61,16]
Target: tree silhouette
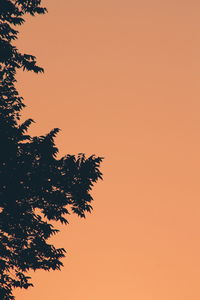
[35,186]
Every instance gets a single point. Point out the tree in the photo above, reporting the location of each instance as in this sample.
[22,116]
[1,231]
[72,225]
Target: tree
[35,186]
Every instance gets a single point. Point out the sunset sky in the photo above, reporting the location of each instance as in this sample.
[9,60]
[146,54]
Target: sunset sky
[122,81]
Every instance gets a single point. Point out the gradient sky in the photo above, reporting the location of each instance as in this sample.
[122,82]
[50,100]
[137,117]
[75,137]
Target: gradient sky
[122,81]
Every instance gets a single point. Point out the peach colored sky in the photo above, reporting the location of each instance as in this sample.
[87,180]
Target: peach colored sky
[122,81]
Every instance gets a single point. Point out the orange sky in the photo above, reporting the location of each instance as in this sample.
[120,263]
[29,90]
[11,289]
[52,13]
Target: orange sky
[122,81]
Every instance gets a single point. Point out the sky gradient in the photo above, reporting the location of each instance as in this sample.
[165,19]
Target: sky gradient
[122,81]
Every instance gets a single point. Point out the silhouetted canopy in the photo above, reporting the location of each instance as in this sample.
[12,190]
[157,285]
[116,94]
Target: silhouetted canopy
[35,186]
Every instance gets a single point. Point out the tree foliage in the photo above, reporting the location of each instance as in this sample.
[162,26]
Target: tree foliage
[35,186]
